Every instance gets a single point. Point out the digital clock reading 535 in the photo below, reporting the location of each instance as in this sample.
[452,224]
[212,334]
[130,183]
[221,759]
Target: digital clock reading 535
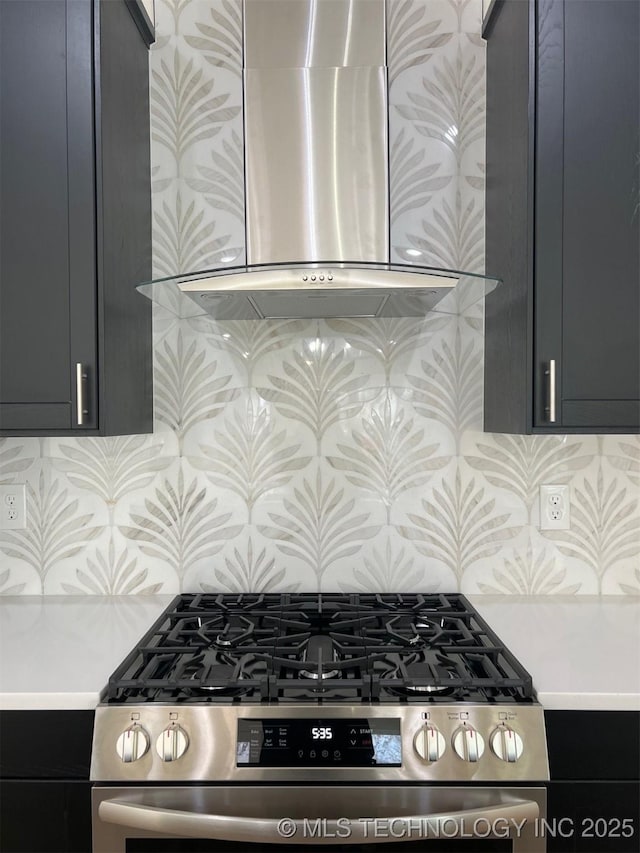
[321,733]
[319,742]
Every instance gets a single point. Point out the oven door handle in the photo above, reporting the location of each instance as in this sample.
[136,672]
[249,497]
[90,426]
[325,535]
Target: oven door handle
[186,824]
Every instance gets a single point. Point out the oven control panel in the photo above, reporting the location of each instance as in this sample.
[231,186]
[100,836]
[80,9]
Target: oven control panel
[441,743]
[322,742]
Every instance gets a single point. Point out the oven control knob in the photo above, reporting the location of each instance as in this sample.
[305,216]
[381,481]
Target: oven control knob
[172,743]
[467,743]
[506,744]
[132,744]
[429,743]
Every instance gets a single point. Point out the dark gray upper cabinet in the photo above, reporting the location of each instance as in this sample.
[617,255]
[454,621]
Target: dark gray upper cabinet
[75,219]
[563,216]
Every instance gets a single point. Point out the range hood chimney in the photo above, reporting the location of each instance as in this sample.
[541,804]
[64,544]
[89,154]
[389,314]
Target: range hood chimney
[317,176]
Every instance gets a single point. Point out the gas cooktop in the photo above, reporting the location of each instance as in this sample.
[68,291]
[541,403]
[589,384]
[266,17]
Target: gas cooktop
[320,648]
[319,687]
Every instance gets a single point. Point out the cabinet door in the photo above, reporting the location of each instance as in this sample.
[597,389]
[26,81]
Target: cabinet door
[592,817]
[47,214]
[45,793]
[587,228]
[42,816]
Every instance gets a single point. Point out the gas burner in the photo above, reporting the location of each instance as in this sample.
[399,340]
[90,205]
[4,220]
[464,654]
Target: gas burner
[429,625]
[226,631]
[332,673]
[319,652]
[427,688]
[215,674]
[200,672]
[416,674]
[414,632]
[416,670]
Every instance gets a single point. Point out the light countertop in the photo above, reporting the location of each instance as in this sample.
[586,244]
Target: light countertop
[583,652]
[57,652]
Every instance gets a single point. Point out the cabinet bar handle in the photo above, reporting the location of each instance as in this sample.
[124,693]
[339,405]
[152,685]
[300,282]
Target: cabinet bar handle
[550,408]
[81,379]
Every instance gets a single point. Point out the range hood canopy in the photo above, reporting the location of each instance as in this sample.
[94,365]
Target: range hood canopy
[317,212]
[312,290]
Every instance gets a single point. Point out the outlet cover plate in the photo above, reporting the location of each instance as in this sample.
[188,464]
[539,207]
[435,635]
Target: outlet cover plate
[13,507]
[555,512]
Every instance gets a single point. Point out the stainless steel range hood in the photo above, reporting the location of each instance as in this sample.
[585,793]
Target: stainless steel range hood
[317,176]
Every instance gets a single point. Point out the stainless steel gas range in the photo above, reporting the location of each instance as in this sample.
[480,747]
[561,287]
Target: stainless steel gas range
[258,722]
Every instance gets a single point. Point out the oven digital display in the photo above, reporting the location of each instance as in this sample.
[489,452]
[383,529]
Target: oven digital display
[365,742]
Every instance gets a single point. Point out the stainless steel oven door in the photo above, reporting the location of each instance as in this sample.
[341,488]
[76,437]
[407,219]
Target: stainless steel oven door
[248,819]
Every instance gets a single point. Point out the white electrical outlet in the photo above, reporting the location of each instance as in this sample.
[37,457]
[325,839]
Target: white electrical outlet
[555,513]
[13,507]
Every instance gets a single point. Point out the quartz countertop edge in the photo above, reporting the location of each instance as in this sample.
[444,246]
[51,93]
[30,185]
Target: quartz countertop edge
[61,701]
[57,652]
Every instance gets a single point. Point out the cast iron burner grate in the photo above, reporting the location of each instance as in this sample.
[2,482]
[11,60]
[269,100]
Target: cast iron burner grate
[318,648]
